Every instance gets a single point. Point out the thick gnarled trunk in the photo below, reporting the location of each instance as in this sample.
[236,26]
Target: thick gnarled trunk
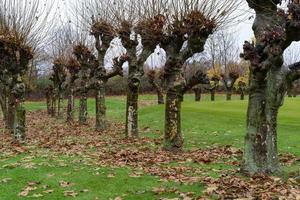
[173,140]
[255,152]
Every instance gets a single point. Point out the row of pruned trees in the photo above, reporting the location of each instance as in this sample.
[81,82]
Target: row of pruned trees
[181,28]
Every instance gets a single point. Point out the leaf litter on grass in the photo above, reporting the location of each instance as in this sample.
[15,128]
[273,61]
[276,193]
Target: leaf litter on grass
[143,156]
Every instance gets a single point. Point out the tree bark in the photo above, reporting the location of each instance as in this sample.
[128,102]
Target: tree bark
[132,107]
[70,108]
[59,105]
[173,140]
[11,109]
[20,114]
[19,122]
[83,108]
[255,152]
[100,107]
[267,90]
[3,104]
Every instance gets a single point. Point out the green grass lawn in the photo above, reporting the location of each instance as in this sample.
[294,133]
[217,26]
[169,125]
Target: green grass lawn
[204,124]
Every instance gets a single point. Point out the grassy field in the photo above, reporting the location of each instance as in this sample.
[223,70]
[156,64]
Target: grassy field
[205,124]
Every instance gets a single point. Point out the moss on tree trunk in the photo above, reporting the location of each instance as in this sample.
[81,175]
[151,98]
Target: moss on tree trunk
[173,140]
[19,123]
[132,108]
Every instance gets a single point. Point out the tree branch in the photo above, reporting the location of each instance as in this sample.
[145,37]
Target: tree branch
[294,72]
[118,67]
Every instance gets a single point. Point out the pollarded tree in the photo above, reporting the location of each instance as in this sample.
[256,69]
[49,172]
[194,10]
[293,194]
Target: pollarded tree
[156,80]
[147,20]
[229,77]
[242,88]
[99,17]
[15,56]
[87,62]
[192,23]
[22,26]
[73,68]
[214,84]
[274,31]
[58,78]
[191,68]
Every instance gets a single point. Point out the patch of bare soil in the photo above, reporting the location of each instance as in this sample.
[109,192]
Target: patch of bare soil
[144,155]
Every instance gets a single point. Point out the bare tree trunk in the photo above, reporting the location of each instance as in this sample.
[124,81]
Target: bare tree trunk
[132,107]
[20,114]
[83,108]
[255,153]
[100,107]
[198,92]
[160,98]
[11,109]
[212,94]
[70,108]
[228,93]
[3,104]
[173,140]
[19,122]
[242,94]
[49,103]
[53,107]
[59,106]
